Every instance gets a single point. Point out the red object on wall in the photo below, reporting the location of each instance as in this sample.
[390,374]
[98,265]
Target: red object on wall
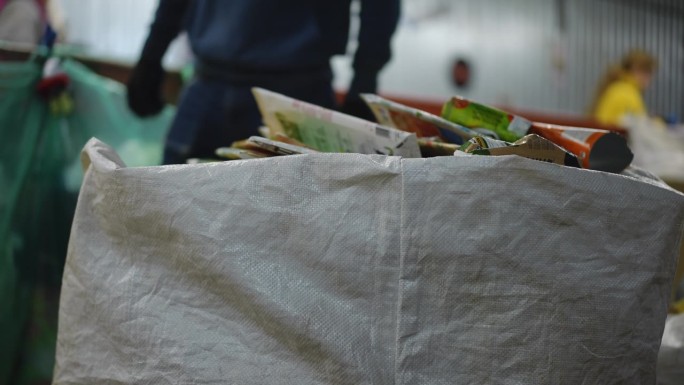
[460,73]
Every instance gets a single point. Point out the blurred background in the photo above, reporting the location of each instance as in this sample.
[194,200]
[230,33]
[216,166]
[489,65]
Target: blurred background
[541,58]
[545,55]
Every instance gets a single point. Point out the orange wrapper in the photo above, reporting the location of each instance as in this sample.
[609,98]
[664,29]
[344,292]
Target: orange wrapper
[595,149]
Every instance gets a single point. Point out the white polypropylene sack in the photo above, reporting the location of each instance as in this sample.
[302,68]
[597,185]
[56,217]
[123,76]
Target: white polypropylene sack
[671,354]
[358,269]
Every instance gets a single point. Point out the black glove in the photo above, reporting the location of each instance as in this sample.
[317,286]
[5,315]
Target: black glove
[353,104]
[145,88]
[147,78]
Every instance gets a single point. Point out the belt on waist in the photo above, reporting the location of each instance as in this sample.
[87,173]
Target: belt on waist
[223,72]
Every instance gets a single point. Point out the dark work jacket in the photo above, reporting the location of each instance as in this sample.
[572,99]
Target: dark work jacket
[266,36]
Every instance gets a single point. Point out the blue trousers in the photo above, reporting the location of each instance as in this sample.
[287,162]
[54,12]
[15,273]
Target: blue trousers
[216,112]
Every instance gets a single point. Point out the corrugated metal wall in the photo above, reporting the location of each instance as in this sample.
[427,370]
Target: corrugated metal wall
[599,32]
[536,54]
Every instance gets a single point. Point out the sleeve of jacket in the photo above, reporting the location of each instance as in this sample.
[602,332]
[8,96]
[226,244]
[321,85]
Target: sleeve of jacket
[146,81]
[379,20]
[617,101]
[167,24]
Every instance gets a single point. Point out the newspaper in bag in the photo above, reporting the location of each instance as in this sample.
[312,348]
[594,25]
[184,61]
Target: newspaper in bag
[422,123]
[329,131]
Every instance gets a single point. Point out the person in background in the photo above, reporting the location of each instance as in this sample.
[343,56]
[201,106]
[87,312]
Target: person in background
[22,21]
[283,46]
[620,92]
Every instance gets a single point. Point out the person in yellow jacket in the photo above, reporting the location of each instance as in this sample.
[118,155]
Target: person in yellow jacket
[620,92]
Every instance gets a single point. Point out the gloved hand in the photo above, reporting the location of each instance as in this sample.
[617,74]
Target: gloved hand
[145,84]
[353,104]
[145,88]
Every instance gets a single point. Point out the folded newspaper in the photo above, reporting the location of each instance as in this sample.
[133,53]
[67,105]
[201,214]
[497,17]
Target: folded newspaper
[329,131]
[423,124]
